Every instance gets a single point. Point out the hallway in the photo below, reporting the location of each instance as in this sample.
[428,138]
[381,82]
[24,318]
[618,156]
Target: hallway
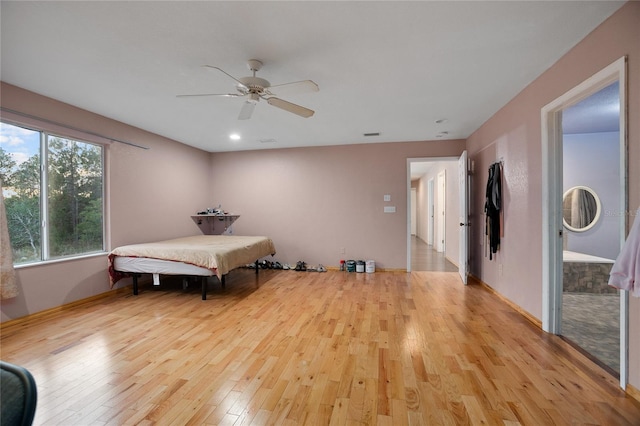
[425,258]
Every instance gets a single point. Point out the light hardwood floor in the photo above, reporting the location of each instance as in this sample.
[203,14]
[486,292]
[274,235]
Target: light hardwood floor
[425,258]
[310,348]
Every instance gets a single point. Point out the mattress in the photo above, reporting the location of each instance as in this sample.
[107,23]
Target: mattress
[145,265]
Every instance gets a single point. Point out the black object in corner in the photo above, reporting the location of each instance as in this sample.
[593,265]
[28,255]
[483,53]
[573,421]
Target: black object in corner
[18,395]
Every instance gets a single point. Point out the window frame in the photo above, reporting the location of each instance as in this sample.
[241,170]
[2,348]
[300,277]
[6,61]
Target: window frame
[45,131]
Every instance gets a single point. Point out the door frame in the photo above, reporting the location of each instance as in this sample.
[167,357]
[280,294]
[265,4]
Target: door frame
[552,226]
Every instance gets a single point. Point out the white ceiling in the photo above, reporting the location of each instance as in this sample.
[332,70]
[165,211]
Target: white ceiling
[421,168]
[390,67]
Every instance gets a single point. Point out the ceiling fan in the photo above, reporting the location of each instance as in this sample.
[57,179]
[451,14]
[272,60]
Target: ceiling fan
[256,88]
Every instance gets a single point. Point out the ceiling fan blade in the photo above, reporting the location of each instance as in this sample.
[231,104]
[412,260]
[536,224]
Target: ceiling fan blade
[288,106]
[227,74]
[304,86]
[228,95]
[247,110]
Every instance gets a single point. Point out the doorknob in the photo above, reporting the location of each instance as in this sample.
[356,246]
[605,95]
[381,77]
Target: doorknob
[465,224]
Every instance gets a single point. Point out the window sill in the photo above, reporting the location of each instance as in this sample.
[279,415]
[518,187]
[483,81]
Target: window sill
[60,260]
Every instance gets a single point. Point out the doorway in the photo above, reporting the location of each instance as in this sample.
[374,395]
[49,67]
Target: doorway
[590,142]
[570,189]
[426,220]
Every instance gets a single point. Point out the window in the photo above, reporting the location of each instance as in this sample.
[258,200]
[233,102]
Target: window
[53,190]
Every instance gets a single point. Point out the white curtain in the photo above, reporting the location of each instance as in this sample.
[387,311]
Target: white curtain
[583,208]
[8,286]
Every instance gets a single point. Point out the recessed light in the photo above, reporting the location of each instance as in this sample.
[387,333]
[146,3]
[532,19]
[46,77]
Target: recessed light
[234,137]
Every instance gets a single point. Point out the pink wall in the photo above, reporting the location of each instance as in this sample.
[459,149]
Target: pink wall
[315,201]
[514,135]
[152,194]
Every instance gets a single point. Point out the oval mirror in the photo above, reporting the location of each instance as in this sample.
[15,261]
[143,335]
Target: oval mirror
[580,208]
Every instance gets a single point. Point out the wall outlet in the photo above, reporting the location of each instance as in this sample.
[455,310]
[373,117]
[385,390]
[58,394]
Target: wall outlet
[387,197]
[342,251]
[500,269]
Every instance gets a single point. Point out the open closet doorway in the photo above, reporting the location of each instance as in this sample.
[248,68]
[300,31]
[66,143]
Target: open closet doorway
[432,237]
[585,189]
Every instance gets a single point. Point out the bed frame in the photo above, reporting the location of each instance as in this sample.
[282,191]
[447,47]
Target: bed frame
[202,279]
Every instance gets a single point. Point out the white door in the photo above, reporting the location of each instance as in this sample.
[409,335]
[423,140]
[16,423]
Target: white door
[441,212]
[414,208]
[463,261]
[431,210]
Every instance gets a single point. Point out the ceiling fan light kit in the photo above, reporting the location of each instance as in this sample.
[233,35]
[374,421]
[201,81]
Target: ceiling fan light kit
[256,88]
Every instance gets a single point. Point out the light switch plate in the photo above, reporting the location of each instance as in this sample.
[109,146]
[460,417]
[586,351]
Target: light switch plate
[389,209]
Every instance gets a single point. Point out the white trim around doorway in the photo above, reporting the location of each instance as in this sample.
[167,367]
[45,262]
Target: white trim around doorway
[552,226]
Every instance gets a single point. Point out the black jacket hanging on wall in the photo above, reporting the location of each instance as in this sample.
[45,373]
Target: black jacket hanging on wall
[492,208]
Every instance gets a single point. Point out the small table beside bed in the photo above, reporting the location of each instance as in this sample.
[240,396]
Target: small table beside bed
[200,255]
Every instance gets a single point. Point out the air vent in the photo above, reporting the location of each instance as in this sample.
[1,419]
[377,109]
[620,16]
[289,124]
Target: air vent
[271,140]
[371,134]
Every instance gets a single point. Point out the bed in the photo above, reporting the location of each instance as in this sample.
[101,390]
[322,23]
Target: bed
[198,256]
